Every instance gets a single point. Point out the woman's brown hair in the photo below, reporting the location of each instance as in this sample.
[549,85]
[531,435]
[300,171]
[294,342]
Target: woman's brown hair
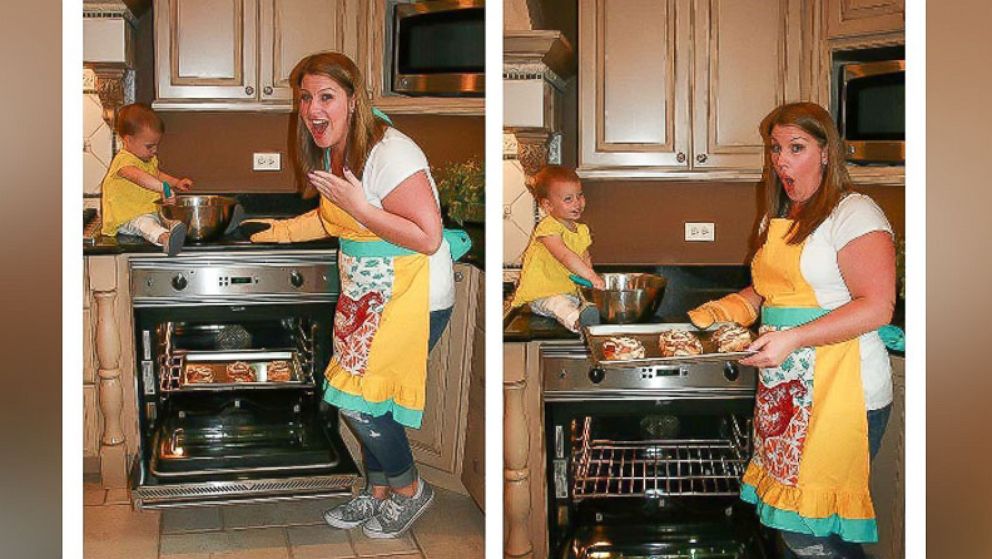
[365,130]
[834,184]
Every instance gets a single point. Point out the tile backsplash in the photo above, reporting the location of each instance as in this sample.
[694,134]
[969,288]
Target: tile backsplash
[98,142]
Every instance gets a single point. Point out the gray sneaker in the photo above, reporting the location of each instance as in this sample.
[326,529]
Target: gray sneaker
[398,513]
[355,512]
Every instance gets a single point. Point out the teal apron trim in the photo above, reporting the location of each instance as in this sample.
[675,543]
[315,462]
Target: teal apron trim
[786,317]
[404,416]
[457,239]
[383,116]
[851,530]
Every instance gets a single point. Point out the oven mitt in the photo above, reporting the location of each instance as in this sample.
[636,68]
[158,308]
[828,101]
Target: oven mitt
[304,227]
[893,337]
[459,241]
[732,308]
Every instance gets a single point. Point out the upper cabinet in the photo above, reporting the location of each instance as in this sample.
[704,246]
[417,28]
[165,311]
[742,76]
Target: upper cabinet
[677,88]
[237,54]
[847,18]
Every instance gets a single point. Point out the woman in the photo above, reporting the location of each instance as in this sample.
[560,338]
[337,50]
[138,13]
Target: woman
[397,288]
[824,279]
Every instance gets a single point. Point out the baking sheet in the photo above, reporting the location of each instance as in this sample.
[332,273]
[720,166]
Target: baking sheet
[648,334]
[259,362]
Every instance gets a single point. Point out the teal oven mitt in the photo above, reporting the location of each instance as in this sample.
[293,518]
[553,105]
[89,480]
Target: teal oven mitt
[459,241]
[893,337]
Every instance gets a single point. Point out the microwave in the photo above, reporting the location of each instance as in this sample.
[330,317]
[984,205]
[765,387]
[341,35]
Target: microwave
[437,48]
[872,111]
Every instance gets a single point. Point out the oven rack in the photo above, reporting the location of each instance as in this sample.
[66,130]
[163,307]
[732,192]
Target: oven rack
[659,468]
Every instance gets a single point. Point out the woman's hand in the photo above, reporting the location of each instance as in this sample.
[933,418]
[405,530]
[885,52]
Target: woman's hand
[773,348]
[346,193]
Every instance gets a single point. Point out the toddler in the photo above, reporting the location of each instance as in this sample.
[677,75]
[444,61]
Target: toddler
[558,247]
[134,182]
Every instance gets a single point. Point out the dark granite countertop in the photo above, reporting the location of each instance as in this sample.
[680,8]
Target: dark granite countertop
[521,325]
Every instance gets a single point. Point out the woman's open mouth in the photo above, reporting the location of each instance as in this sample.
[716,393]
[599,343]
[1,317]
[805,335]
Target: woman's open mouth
[318,127]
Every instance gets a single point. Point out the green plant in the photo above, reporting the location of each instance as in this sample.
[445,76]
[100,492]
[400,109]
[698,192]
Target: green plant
[901,268]
[461,185]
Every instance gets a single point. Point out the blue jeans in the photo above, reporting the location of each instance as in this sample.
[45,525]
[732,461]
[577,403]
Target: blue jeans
[804,546]
[385,448]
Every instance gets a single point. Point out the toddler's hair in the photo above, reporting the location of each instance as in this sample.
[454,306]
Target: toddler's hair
[135,117]
[540,185]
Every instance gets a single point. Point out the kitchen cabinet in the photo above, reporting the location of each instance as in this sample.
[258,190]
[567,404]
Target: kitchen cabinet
[847,18]
[677,88]
[888,474]
[237,54]
[474,454]
[438,446]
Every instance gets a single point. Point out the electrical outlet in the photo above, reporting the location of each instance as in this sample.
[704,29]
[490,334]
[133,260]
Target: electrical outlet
[266,162]
[700,232]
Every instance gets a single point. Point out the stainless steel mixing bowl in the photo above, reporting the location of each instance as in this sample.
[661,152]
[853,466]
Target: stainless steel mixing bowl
[627,298]
[206,217]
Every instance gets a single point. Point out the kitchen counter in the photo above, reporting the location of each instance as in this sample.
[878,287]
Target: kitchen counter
[128,244]
[521,325]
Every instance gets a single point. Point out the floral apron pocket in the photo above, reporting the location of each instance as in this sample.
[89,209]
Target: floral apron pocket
[366,287]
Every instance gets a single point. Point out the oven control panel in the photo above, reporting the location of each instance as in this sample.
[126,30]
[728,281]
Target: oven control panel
[195,278]
[568,372]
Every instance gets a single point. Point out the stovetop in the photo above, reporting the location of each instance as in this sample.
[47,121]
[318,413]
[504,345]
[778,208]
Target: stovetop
[257,206]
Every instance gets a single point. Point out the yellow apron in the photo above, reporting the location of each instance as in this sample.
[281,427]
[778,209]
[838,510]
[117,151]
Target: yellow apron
[381,323]
[809,471]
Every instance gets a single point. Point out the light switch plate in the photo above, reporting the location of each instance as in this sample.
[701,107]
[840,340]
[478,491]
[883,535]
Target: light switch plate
[266,162]
[705,232]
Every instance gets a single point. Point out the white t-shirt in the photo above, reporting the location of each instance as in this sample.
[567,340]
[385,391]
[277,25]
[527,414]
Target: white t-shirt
[394,159]
[854,216]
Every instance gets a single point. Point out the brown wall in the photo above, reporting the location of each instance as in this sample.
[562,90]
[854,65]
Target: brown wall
[215,149]
[642,222]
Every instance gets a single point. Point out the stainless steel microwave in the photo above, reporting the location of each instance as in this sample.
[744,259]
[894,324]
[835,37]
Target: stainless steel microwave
[438,48]
[872,111]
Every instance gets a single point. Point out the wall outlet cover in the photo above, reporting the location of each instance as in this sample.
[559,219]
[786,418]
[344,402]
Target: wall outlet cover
[266,162]
[700,232]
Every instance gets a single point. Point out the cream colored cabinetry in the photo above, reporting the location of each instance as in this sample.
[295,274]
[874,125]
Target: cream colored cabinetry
[110,427]
[846,18]
[888,474]
[439,443]
[238,54]
[474,454]
[669,88]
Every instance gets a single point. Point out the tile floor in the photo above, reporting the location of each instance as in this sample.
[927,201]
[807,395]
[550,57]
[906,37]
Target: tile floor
[451,529]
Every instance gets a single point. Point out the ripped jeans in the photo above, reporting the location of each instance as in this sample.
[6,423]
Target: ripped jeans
[385,448]
[806,546]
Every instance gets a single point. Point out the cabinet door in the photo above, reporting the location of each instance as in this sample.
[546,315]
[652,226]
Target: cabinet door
[633,89]
[863,17]
[748,61]
[288,31]
[438,442]
[206,50]
[474,460]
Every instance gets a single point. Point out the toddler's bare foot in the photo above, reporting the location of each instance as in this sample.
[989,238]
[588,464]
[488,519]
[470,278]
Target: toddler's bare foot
[163,239]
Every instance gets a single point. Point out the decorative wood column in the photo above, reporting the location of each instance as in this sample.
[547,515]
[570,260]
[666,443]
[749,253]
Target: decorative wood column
[516,476]
[109,87]
[113,451]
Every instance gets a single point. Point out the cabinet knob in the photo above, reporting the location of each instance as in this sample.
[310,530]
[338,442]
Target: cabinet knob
[267,90]
[680,157]
[249,90]
[459,276]
[701,158]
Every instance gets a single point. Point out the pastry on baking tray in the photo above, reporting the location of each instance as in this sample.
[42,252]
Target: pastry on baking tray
[679,343]
[198,374]
[622,348]
[239,371]
[731,338]
[278,371]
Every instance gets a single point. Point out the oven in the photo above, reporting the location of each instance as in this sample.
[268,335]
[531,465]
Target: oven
[647,461]
[231,353]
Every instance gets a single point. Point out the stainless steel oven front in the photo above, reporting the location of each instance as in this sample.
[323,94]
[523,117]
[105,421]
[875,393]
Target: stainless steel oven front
[231,354]
[647,461]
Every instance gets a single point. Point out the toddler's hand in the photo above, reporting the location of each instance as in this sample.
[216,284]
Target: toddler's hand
[598,282]
[183,185]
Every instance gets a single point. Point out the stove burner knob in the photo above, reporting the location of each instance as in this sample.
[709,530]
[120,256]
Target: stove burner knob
[296,279]
[731,371]
[596,375]
[179,282]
